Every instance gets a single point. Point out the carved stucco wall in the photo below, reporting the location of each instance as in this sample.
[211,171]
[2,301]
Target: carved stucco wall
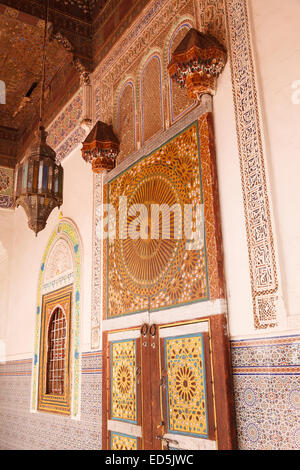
[262,309]
[229,22]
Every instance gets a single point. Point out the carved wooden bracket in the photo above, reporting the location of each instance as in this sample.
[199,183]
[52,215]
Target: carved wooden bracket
[197,63]
[101,148]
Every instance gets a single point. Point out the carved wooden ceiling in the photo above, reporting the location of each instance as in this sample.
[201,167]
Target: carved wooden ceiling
[80,34]
[21,65]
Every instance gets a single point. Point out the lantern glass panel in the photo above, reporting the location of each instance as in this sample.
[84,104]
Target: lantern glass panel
[41,174]
[56,184]
[50,178]
[25,173]
[35,176]
[30,176]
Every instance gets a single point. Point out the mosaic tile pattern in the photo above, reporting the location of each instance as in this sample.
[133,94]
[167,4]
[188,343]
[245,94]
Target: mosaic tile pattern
[123,381]
[187,410]
[267,392]
[125,116]
[6,187]
[20,429]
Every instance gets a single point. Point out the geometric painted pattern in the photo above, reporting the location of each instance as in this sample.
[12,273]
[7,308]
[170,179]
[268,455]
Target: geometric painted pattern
[123,381]
[153,272]
[123,442]
[186,388]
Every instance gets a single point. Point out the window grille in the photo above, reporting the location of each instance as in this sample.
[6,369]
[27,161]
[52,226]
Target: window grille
[56,353]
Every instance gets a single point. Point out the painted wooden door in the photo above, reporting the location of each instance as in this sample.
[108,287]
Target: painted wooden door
[168,386]
[186,417]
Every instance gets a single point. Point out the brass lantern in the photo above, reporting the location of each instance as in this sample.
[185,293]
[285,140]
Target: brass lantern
[39,183]
[38,179]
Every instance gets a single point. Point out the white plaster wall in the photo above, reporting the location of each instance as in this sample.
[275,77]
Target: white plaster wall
[6,231]
[28,251]
[276,36]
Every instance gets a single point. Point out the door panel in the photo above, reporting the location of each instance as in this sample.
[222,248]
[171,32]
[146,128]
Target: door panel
[168,386]
[186,398]
[124,386]
[186,389]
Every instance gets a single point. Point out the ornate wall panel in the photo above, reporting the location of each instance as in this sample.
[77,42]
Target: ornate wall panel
[150,274]
[97,279]
[126,120]
[6,187]
[263,264]
[151,98]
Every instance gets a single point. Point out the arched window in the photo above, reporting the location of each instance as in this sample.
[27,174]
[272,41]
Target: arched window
[56,364]
[56,345]
[56,353]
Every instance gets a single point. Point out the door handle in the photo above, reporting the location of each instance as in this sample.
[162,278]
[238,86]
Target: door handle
[152,330]
[144,329]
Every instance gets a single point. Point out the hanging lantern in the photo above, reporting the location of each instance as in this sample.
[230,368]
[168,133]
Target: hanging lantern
[197,62]
[101,148]
[39,183]
[38,179]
